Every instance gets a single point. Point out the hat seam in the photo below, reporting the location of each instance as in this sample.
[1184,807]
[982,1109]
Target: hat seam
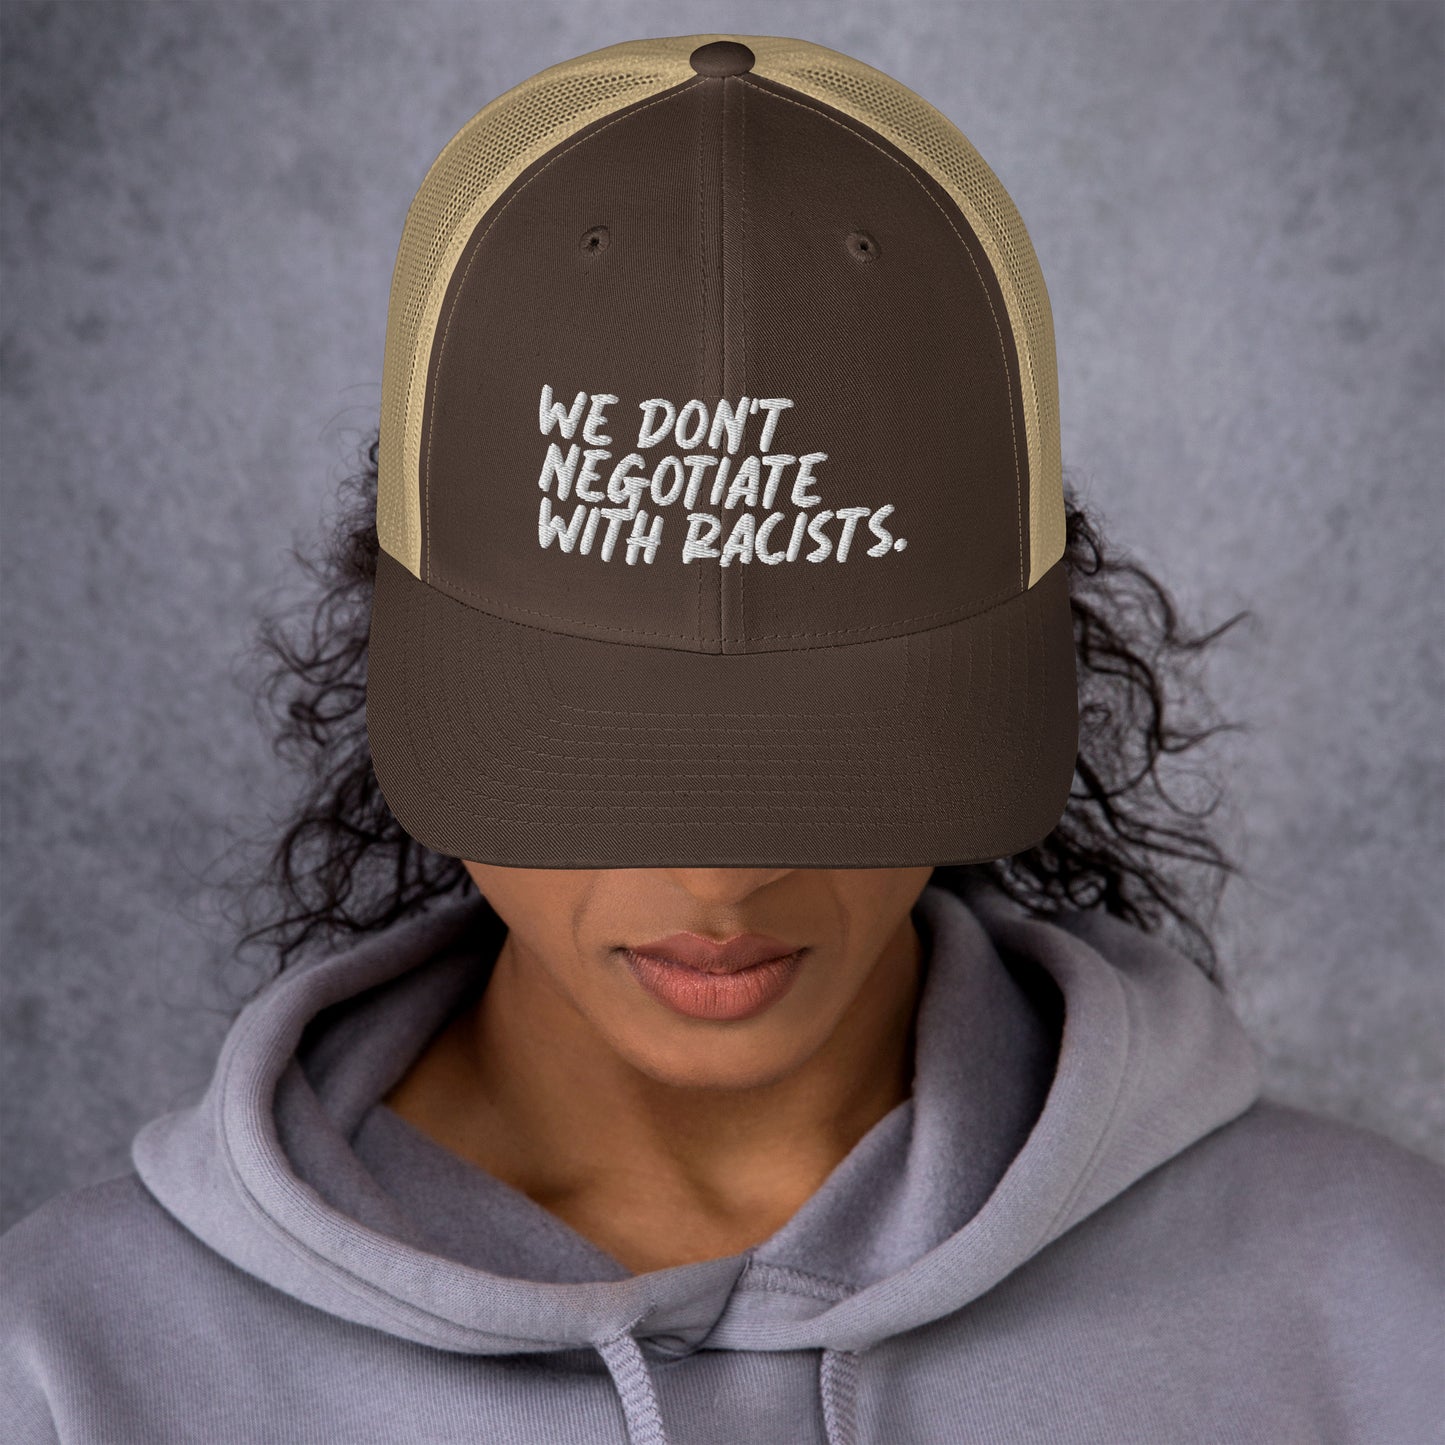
[968,251]
[946,617]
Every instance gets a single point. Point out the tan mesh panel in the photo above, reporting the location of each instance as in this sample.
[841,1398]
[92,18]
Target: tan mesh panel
[508,134]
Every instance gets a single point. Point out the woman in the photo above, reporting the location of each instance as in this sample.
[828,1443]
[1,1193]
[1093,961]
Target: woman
[745,1035]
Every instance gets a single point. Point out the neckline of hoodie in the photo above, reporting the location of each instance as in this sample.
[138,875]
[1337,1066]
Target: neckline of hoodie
[979,996]
[244,1117]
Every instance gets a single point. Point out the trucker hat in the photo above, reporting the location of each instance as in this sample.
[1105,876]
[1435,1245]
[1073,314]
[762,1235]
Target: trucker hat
[719,504]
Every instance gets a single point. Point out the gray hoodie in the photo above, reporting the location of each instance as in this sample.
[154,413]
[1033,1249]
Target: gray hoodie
[1085,1225]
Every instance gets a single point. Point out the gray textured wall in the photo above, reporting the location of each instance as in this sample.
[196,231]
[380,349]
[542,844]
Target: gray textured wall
[1238,210]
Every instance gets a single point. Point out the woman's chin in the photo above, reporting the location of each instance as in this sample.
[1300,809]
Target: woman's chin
[689,1054]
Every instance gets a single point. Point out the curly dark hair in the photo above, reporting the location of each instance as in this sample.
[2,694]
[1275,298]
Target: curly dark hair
[344,866]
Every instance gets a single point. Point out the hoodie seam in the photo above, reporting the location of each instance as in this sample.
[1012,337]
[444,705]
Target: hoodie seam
[1013,912]
[1096,1154]
[763,1277]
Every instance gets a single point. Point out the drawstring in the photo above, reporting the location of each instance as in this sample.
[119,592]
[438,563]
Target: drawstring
[623,1357]
[837,1387]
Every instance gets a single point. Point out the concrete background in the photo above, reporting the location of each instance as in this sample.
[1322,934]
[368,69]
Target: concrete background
[1238,211]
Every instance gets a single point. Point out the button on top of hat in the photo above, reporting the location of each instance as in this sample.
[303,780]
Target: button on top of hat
[722,57]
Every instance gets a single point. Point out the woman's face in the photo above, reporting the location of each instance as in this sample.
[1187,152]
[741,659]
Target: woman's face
[570,931]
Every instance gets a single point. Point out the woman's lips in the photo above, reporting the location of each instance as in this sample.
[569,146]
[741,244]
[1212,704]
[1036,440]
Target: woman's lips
[693,950]
[737,994]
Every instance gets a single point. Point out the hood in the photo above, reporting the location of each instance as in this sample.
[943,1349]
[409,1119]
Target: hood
[1056,1062]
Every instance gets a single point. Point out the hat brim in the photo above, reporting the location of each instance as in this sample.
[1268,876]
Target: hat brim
[513,745]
